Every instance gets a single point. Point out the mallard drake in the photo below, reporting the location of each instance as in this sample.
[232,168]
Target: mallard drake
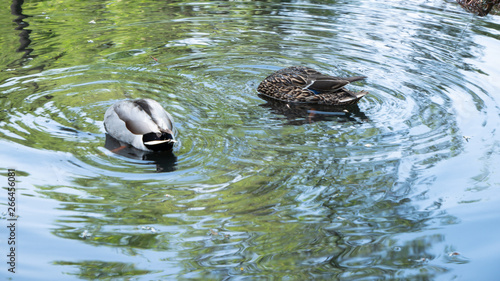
[302,84]
[141,123]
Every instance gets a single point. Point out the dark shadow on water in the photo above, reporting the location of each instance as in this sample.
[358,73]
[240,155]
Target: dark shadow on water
[165,161]
[24,35]
[302,113]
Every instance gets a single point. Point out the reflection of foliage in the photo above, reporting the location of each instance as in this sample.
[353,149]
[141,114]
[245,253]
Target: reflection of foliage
[346,221]
[251,197]
[92,270]
[108,30]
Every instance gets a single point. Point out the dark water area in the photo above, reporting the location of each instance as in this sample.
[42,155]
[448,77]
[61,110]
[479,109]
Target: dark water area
[403,187]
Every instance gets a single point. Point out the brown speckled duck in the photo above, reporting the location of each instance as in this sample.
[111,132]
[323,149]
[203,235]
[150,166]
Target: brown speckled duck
[300,84]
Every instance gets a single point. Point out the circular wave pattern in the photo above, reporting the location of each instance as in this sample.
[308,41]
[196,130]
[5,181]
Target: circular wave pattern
[337,185]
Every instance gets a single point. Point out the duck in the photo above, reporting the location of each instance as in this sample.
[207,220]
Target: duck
[307,113]
[141,123]
[301,84]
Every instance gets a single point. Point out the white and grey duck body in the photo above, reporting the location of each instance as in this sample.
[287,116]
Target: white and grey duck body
[141,123]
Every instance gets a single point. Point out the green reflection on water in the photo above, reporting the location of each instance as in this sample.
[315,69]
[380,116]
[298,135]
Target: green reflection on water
[254,193]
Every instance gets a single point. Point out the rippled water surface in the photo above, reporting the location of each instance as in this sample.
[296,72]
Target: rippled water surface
[406,187]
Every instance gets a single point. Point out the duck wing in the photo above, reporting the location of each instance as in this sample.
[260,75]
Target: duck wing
[326,84]
[160,117]
[137,118]
[308,78]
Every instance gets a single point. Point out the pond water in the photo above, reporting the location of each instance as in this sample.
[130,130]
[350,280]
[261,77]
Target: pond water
[406,187]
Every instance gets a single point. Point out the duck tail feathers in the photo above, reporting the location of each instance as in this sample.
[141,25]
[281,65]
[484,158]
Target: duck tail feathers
[355,78]
[353,98]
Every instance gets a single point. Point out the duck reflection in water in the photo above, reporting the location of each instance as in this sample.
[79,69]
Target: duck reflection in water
[304,113]
[165,161]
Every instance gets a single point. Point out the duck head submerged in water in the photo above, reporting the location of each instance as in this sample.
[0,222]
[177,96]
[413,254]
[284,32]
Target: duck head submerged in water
[141,123]
[302,84]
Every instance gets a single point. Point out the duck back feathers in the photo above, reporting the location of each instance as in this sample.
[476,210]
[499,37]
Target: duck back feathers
[142,123]
[305,85]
